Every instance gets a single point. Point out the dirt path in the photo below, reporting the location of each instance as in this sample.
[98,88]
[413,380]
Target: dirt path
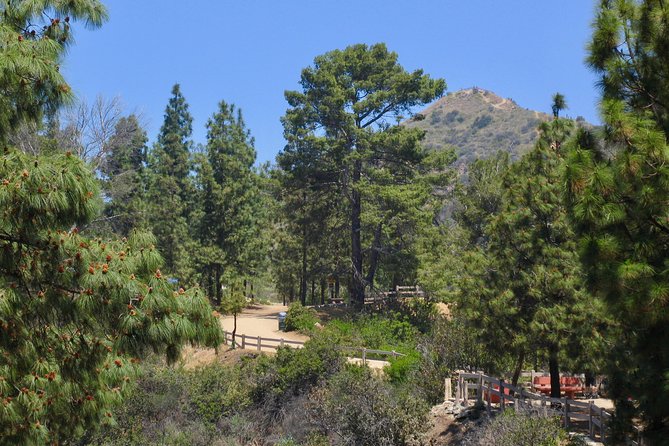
[261,320]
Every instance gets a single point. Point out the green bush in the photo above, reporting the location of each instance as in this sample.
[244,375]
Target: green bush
[299,318]
[356,407]
[517,429]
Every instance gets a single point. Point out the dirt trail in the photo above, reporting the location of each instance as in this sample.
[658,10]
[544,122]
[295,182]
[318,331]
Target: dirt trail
[261,320]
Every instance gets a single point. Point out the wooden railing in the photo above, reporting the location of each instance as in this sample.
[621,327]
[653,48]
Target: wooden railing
[573,413]
[258,343]
[400,292]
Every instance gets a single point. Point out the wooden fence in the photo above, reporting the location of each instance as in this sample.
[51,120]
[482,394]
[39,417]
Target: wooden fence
[576,415]
[400,292]
[258,343]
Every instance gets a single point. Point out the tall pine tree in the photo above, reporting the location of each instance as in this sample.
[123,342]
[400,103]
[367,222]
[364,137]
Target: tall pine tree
[170,191]
[230,201]
[343,120]
[618,184]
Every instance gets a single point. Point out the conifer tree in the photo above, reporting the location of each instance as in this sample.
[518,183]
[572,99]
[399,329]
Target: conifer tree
[125,177]
[75,313]
[33,44]
[342,120]
[525,289]
[170,192]
[228,231]
[618,186]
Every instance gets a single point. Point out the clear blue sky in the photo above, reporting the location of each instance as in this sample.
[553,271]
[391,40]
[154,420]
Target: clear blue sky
[250,51]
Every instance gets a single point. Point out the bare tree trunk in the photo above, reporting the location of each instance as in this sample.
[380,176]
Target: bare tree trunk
[218,285]
[313,291]
[303,278]
[374,256]
[519,368]
[554,369]
[357,284]
[323,284]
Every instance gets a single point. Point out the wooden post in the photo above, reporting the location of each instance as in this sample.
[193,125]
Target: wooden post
[488,396]
[479,389]
[394,354]
[448,394]
[243,341]
[601,425]
[281,342]
[259,345]
[591,430]
[566,412]
[225,337]
[457,390]
[364,356]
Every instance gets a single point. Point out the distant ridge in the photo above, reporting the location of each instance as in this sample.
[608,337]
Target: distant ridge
[478,123]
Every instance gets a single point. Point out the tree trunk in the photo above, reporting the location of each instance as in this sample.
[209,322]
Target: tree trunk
[374,256]
[519,369]
[554,369]
[336,288]
[323,284]
[357,284]
[234,329]
[313,291]
[303,278]
[218,284]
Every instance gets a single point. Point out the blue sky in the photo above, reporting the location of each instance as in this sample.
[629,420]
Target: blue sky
[250,51]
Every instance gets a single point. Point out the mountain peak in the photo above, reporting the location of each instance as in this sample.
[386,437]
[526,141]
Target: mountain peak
[478,123]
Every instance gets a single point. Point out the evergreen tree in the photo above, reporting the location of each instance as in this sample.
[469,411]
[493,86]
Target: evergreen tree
[525,290]
[230,200]
[170,192]
[125,177]
[342,121]
[618,186]
[31,52]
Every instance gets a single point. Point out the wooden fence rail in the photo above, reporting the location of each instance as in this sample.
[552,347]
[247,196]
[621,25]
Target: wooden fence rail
[488,391]
[257,342]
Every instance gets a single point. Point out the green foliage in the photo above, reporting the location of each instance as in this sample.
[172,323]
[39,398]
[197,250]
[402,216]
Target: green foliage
[343,146]
[450,345]
[125,178]
[518,429]
[229,202]
[170,190]
[617,184]
[75,311]
[375,332]
[356,407]
[299,318]
[32,48]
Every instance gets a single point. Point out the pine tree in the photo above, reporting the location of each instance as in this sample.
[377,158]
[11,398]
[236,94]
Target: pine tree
[229,232]
[525,290]
[170,190]
[74,312]
[125,178]
[339,133]
[32,48]
[618,185]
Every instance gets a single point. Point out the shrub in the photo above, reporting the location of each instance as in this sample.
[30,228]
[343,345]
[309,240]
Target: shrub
[517,429]
[450,345]
[359,408]
[300,318]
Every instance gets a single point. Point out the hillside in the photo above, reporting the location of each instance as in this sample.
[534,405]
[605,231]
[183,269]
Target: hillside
[478,123]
